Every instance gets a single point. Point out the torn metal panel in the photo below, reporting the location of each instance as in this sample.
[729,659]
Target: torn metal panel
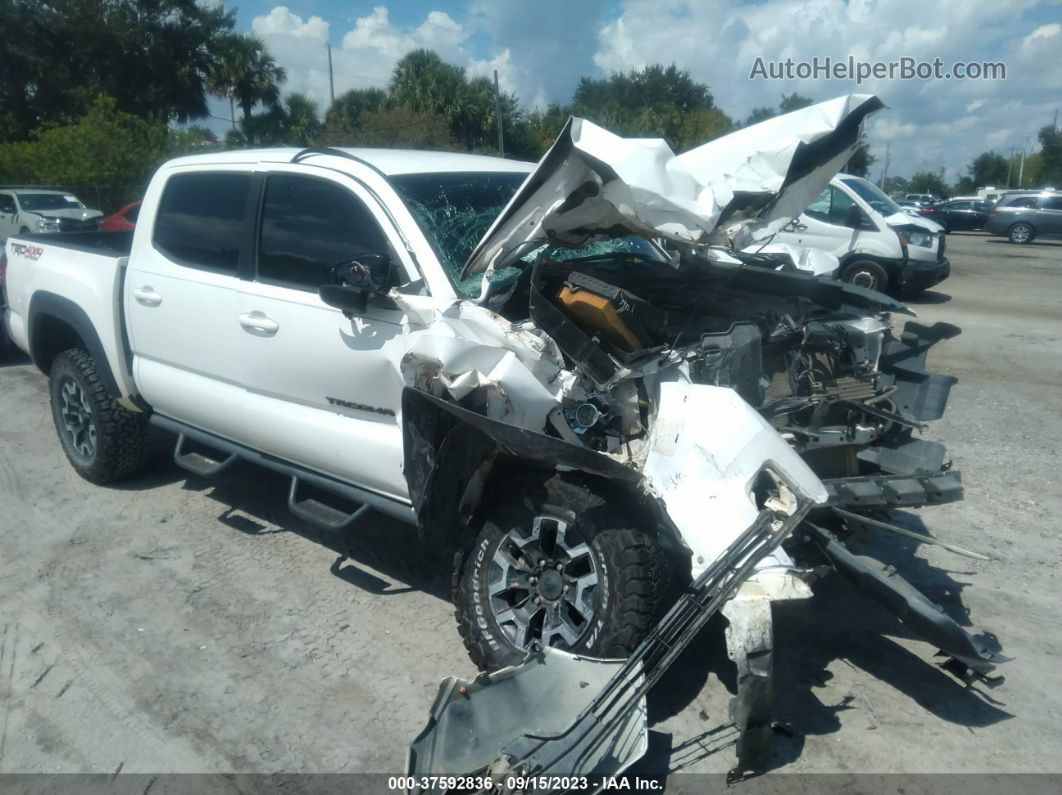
[908,604]
[593,184]
[705,451]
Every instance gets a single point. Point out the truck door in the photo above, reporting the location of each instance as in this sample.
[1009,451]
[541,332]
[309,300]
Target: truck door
[324,390]
[181,300]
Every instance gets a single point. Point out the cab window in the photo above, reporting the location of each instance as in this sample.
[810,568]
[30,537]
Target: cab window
[831,206]
[200,219]
[308,225]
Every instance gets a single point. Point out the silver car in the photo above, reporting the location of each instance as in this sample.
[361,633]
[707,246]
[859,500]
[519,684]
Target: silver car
[1023,217]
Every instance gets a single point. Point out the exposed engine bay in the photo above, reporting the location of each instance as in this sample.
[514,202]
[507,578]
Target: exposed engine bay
[766,412]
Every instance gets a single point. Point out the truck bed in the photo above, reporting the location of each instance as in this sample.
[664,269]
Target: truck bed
[117,243]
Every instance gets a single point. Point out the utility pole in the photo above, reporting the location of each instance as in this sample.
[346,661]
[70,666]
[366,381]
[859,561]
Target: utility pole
[498,115]
[885,166]
[331,83]
[1021,168]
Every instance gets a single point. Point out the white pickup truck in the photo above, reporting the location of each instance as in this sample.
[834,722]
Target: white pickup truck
[553,371]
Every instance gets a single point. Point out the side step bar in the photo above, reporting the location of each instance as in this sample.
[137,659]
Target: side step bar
[199,463]
[308,509]
[316,512]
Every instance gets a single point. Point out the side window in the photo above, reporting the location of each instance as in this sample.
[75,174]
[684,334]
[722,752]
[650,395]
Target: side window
[199,222]
[132,213]
[7,204]
[820,208]
[309,225]
[1053,203]
[840,204]
[1023,201]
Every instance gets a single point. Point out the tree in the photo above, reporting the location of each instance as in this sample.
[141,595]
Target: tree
[404,127]
[125,150]
[344,114]
[927,182]
[152,58]
[893,185]
[759,114]
[988,168]
[654,101]
[794,101]
[860,162]
[245,73]
[302,126]
[1048,170]
[191,139]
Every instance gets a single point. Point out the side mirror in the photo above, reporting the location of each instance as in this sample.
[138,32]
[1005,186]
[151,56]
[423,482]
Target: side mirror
[355,280]
[854,217]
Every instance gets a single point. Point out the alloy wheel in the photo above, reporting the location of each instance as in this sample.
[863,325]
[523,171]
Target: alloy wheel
[78,419]
[543,583]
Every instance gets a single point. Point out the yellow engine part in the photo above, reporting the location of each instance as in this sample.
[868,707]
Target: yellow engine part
[596,314]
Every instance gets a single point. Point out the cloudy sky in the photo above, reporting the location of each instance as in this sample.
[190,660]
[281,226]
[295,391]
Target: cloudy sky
[541,48]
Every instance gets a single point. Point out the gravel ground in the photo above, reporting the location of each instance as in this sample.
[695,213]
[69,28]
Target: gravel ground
[182,625]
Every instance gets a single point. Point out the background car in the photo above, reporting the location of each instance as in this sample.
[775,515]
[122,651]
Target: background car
[909,207]
[1021,218]
[122,220]
[922,198]
[962,212]
[31,210]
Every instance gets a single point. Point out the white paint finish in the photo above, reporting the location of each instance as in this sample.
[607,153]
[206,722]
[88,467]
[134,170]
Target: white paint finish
[705,450]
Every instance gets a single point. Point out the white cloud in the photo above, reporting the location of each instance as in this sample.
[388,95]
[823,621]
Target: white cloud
[719,41]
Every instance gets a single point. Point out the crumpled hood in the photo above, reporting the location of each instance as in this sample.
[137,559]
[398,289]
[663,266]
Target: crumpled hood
[594,185]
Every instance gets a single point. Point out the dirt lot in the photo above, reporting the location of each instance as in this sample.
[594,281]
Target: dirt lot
[180,625]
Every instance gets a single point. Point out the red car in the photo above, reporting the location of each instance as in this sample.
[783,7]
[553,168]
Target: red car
[124,219]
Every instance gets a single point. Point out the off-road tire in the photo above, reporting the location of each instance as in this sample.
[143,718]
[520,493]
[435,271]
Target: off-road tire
[121,438]
[637,579]
[862,272]
[1021,233]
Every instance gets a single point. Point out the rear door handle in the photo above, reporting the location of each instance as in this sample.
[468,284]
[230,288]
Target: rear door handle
[259,324]
[147,296]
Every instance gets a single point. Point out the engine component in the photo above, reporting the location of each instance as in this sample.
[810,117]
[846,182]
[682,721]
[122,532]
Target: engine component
[620,317]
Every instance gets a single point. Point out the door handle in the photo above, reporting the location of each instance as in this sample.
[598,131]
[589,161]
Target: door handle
[259,324]
[147,296]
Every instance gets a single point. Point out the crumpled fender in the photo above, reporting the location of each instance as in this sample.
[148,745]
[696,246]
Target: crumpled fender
[707,448]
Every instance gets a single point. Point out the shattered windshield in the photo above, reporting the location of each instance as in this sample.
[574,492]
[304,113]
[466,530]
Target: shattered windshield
[455,210]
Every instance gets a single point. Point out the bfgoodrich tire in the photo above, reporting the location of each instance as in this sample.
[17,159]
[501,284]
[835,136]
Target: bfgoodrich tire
[865,273]
[103,441]
[556,565]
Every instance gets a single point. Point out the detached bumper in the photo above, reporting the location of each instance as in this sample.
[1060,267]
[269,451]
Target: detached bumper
[918,275]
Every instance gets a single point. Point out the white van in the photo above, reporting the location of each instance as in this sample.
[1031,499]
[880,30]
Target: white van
[879,245]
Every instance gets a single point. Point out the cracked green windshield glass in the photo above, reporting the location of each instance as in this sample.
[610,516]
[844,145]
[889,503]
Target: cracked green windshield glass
[455,210]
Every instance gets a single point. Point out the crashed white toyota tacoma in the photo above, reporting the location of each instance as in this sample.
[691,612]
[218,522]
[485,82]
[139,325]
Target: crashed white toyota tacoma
[569,376]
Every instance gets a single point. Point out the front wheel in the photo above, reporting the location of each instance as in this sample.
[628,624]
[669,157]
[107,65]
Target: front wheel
[103,441]
[556,565]
[864,273]
[1021,233]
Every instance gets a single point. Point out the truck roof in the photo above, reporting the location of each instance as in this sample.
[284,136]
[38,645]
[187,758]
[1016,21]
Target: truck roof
[390,161]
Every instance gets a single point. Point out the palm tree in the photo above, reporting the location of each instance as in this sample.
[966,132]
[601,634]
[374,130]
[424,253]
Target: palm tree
[245,72]
[303,127]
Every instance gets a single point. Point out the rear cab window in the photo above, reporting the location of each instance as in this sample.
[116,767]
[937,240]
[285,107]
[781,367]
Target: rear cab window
[200,219]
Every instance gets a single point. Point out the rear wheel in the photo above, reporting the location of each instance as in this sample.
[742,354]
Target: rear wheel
[864,273]
[556,565]
[103,441]
[1021,233]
